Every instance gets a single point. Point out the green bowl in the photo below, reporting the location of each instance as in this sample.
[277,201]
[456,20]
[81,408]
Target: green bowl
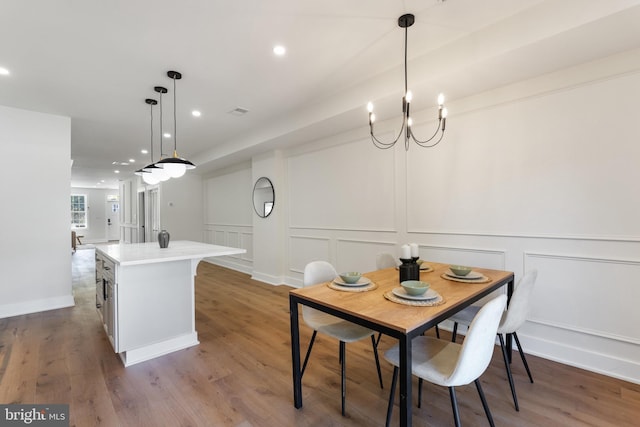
[415,287]
[350,277]
[460,270]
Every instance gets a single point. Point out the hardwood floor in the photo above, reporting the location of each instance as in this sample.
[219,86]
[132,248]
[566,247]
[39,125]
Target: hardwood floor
[240,374]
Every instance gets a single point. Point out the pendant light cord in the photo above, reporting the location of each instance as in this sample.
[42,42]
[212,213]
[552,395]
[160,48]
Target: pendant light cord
[161,153]
[175,122]
[406,30]
[151,111]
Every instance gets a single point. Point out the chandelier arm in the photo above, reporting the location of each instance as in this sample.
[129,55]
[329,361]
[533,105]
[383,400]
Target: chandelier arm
[419,142]
[424,143]
[384,145]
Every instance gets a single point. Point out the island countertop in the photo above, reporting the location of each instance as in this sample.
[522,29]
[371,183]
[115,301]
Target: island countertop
[150,252]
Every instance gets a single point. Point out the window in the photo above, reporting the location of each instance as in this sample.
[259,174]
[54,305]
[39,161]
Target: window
[78,211]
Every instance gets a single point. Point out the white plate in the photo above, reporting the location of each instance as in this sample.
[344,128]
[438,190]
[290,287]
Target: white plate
[363,281]
[400,292]
[424,266]
[473,275]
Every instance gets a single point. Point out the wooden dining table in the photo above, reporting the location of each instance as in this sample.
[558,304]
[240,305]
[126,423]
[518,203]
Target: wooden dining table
[373,310]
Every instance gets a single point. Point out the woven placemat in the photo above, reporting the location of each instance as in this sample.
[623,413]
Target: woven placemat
[371,286]
[417,303]
[484,279]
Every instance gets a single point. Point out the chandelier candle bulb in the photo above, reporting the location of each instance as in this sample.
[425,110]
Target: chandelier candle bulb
[441,99]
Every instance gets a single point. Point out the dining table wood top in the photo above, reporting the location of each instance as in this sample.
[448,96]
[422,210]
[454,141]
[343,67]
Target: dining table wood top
[372,306]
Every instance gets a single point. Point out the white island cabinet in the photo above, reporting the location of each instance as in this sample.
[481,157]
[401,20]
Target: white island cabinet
[145,295]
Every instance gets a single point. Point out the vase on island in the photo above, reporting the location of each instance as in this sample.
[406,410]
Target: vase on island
[163,238]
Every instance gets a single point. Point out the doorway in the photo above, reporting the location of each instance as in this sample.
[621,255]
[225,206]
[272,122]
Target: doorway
[141,217]
[113,218]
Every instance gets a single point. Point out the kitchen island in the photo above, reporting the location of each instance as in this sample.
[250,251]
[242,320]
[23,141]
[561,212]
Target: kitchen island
[145,295]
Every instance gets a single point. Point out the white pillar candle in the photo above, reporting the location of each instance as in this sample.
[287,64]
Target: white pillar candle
[414,250]
[405,252]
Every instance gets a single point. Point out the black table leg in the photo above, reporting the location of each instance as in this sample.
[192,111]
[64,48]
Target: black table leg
[509,339]
[405,381]
[295,353]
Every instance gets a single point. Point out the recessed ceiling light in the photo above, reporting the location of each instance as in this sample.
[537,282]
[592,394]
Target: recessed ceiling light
[279,50]
[144,151]
[4,71]
[166,135]
[196,113]
[132,160]
[116,171]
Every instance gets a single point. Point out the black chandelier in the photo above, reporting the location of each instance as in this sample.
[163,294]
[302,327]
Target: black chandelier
[405,21]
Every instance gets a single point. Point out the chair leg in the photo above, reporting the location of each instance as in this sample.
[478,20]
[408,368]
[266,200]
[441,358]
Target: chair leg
[378,339]
[375,353]
[394,381]
[454,334]
[343,364]
[437,332]
[524,360]
[420,392]
[484,403]
[454,406]
[306,358]
[509,376]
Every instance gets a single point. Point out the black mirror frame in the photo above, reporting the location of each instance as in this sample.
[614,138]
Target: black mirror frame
[273,198]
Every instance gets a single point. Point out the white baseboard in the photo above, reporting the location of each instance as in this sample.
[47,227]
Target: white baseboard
[131,357]
[269,279]
[36,306]
[599,362]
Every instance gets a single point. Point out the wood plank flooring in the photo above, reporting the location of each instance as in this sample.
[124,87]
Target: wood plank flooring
[240,374]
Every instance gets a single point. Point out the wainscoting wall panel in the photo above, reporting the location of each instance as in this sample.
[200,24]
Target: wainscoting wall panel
[599,286]
[339,188]
[303,249]
[360,255]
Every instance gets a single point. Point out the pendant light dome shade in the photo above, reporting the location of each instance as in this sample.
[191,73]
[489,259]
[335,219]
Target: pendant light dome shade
[175,166]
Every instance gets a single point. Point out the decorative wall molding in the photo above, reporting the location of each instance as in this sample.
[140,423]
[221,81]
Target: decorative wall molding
[293,238]
[625,239]
[367,230]
[589,276]
[500,254]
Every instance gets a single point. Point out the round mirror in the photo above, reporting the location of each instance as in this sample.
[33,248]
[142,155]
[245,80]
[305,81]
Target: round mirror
[263,197]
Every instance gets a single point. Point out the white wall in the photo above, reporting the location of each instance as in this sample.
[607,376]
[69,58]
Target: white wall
[539,174]
[35,247]
[228,214]
[181,207]
[96,230]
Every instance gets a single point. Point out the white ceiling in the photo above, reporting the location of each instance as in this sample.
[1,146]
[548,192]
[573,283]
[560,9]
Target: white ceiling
[96,61]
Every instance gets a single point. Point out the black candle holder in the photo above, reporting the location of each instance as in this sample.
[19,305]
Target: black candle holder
[409,269]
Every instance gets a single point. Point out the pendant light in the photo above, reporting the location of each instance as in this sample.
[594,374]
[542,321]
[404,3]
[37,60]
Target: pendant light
[157,171]
[175,166]
[146,175]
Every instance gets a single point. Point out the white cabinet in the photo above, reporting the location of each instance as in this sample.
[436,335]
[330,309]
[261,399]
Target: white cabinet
[106,297]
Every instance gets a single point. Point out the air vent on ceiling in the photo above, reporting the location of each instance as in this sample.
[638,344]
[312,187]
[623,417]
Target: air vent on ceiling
[238,111]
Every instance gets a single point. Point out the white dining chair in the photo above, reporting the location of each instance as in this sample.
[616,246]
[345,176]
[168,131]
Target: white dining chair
[385,260]
[512,320]
[450,364]
[344,331]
